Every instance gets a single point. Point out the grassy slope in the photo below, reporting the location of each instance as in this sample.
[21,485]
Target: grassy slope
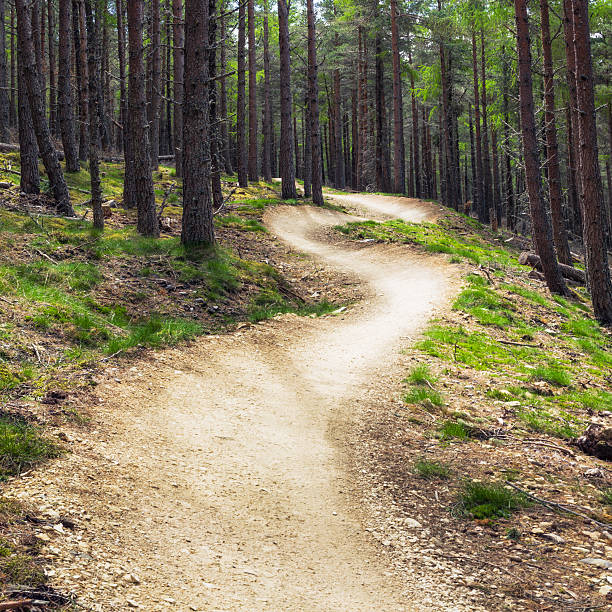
[494,388]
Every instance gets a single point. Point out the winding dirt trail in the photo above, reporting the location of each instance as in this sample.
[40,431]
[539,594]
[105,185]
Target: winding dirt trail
[216,478]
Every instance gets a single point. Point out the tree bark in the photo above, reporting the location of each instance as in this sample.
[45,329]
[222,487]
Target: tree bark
[154,108]
[591,193]
[242,153]
[313,107]
[267,117]
[213,127]
[198,228]
[93,62]
[65,105]
[140,166]
[552,149]
[52,68]
[178,34]
[28,147]
[399,163]
[542,231]
[225,142]
[252,94]
[4,99]
[479,194]
[287,169]
[486,159]
[36,101]
[78,26]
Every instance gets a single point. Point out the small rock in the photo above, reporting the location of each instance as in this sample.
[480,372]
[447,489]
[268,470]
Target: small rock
[602,563]
[555,537]
[132,604]
[410,522]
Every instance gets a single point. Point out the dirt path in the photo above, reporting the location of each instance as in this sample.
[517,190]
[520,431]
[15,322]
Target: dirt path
[215,477]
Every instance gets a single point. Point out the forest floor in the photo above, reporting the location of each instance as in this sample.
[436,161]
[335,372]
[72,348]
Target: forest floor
[350,459]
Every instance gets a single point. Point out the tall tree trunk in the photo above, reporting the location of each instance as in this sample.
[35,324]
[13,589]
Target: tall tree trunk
[93,63]
[65,105]
[140,166]
[287,169]
[496,179]
[418,192]
[307,151]
[78,26]
[509,192]
[198,225]
[52,69]
[154,106]
[240,110]
[37,109]
[122,91]
[28,147]
[4,99]
[266,168]
[399,163]
[178,35]
[213,129]
[227,160]
[542,231]
[13,107]
[252,94]
[591,193]
[478,189]
[473,162]
[552,150]
[313,107]
[572,123]
[486,160]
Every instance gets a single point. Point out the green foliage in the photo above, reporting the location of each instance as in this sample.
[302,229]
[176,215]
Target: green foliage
[269,303]
[489,500]
[430,470]
[421,375]
[22,446]
[424,396]
[454,430]
[486,306]
[606,496]
[236,222]
[541,420]
[553,374]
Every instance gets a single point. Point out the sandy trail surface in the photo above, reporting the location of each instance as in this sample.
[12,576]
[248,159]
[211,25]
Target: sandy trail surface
[216,478]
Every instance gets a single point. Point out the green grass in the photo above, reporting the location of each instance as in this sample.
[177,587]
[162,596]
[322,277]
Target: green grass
[424,396]
[269,303]
[489,500]
[241,223]
[421,375]
[606,496]
[539,419]
[454,430]
[486,306]
[528,294]
[435,238]
[430,470]
[22,446]
[553,374]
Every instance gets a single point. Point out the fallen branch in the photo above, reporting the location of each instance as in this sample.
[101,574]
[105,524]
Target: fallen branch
[519,343]
[225,201]
[43,254]
[556,506]
[533,260]
[567,451]
[16,604]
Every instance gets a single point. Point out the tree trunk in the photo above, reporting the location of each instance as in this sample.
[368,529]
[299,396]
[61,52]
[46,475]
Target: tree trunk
[340,174]
[65,105]
[252,94]
[178,34]
[486,160]
[28,147]
[13,107]
[552,150]
[591,193]
[215,161]
[313,107]
[266,168]
[225,142]
[572,122]
[198,228]
[399,164]
[154,107]
[542,231]
[479,194]
[93,62]
[52,69]
[474,206]
[4,99]
[287,169]
[78,26]
[240,110]
[140,166]
[307,152]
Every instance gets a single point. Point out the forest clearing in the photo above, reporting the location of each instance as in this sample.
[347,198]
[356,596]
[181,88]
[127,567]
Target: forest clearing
[307,306]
